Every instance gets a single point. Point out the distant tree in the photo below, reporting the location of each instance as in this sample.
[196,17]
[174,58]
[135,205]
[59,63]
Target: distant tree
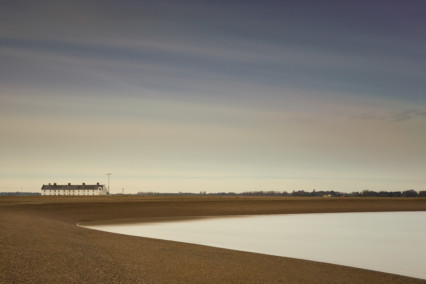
[369,193]
[422,193]
[301,193]
[396,194]
[410,193]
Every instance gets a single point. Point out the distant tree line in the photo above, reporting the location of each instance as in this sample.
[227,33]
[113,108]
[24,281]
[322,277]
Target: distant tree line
[364,193]
[18,193]
[406,193]
[314,193]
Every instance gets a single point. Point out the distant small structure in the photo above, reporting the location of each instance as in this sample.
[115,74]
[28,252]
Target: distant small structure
[74,190]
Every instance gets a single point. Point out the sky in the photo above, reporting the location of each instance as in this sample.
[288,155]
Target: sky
[216,96]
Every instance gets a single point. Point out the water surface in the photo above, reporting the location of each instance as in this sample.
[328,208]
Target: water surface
[393,242]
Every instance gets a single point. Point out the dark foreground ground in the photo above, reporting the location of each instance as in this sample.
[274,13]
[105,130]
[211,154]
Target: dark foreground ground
[40,242]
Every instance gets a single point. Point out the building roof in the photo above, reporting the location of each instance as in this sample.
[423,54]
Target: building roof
[72,186]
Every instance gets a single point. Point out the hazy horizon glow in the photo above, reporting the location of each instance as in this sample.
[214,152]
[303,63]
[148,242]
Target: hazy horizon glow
[224,96]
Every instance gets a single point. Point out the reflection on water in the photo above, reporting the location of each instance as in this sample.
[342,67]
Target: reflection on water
[389,242]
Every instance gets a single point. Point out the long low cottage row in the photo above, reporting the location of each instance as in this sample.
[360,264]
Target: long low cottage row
[74,190]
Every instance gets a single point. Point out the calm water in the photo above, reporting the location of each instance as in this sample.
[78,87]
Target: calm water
[389,242]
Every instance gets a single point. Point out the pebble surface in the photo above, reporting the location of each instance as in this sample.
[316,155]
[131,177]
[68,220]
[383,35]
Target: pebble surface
[40,242]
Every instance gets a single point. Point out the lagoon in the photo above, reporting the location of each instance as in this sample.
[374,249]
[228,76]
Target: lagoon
[392,242]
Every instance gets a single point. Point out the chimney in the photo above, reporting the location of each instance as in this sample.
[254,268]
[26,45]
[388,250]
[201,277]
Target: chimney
[54,184]
[97,183]
[49,183]
[69,184]
[84,184]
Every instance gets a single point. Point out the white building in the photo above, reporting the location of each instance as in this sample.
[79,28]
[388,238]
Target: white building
[74,190]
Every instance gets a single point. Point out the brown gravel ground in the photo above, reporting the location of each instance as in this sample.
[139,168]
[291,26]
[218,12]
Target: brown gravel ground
[40,242]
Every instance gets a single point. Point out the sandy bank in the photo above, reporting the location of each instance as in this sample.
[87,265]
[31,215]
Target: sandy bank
[40,242]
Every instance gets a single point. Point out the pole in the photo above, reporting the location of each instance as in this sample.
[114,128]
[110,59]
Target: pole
[108,174]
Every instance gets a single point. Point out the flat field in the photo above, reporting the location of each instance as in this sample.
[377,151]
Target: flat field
[40,242]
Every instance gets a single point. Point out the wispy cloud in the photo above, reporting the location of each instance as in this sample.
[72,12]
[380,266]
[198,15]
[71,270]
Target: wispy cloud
[409,115]
[213,89]
[239,44]
[392,115]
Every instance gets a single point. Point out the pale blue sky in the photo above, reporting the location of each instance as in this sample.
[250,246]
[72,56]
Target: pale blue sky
[213,96]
